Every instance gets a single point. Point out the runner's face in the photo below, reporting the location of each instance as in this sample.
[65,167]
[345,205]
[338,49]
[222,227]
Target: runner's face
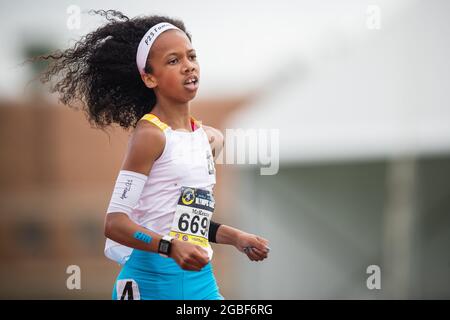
[173,60]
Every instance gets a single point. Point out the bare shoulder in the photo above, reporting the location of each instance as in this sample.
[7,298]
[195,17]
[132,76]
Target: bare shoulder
[213,132]
[145,146]
[215,138]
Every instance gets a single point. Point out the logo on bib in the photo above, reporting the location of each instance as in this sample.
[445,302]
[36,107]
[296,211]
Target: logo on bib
[188,196]
[193,216]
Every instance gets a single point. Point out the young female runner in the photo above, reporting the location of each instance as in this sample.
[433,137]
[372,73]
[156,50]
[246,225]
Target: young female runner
[142,73]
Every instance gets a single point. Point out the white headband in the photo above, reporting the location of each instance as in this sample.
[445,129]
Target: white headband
[147,41]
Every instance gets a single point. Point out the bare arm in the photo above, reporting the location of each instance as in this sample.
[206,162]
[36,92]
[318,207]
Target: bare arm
[255,247]
[216,140]
[144,148]
[229,235]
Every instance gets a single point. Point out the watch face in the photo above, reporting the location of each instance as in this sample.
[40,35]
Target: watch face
[164,247]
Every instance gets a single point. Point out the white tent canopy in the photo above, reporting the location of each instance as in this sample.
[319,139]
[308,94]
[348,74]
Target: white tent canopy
[382,95]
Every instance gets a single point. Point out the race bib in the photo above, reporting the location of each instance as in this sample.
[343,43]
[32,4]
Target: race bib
[192,216]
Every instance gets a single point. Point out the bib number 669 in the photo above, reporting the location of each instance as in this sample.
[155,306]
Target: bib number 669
[185,223]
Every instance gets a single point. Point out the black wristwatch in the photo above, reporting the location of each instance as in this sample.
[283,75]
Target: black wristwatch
[164,246]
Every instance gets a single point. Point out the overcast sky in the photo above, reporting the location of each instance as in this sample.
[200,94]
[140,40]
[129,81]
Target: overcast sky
[240,44]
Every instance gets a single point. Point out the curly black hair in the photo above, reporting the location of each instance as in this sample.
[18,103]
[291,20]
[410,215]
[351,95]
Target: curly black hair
[100,71]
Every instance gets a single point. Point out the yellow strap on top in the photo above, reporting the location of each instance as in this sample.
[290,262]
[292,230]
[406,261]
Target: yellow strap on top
[155,120]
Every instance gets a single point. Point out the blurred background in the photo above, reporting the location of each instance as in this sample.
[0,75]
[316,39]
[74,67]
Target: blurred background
[359,94]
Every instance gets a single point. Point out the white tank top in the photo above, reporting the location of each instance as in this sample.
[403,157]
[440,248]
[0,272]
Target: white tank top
[185,161]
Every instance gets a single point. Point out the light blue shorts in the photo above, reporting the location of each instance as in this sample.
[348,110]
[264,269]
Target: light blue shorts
[148,276]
